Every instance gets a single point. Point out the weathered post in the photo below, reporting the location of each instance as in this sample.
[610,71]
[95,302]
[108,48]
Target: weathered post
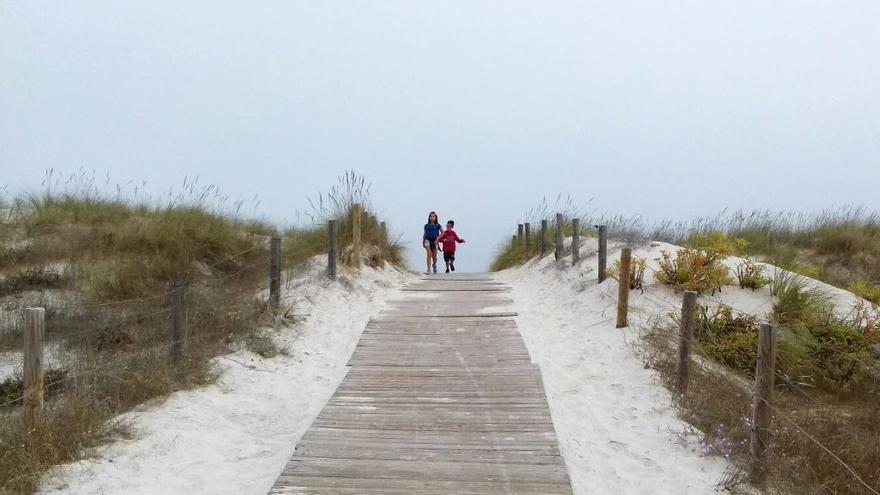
[356,211]
[34,330]
[178,318]
[275,273]
[543,238]
[765,372]
[528,229]
[332,249]
[520,233]
[623,292]
[559,238]
[384,228]
[575,241]
[688,304]
[603,252]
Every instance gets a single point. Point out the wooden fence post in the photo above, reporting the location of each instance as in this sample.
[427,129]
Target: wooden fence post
[356,214]
[603,252]
[623,292]
[575,241]
[34,330]
[275,273]
[178,318]
[688,304]
[528,231]
[384,228]
[543,238]
[559,238]
[765,378]
[332,249]
[520,233]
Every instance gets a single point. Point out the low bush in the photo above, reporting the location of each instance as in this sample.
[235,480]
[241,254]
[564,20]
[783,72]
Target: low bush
[751,275]
[727,337]
[699,266]
[717,242]
[693,269]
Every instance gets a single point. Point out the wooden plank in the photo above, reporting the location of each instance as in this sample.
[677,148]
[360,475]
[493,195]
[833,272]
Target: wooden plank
[441,396]
[446,471]
[456,317]
[366,486]
[404,452]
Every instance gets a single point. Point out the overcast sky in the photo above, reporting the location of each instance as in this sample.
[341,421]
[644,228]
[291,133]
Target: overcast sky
[474,109]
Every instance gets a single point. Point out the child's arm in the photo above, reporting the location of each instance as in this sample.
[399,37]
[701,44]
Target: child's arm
[458,239]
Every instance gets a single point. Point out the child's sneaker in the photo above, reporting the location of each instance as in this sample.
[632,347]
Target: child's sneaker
[452,266]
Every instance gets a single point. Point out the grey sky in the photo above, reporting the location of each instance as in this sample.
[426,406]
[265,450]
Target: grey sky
[475,109]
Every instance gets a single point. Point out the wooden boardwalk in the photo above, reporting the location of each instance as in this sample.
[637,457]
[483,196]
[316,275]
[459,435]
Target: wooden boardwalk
[440,397]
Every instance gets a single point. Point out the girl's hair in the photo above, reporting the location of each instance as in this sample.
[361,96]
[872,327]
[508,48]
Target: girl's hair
[436,219]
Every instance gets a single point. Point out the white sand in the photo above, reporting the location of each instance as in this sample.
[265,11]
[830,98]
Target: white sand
[235,437]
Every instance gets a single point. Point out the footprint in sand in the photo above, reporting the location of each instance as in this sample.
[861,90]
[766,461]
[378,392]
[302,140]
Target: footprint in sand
[618,446]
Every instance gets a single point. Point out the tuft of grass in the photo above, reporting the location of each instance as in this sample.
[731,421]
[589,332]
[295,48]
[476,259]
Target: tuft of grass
[514,254]
[263,345]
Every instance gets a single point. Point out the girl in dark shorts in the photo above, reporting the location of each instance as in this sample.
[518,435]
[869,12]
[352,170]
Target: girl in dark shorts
[429,240]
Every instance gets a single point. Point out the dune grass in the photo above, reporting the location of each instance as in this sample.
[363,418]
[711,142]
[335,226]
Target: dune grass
[839,246]
[102,265]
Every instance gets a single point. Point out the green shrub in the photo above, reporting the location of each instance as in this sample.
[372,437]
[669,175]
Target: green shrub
[693,269]
[751,275]
[726,337]
[717,242]
[699,267]
[840,352]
